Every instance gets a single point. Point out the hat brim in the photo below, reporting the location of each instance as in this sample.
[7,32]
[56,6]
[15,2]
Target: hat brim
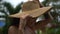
[32,13]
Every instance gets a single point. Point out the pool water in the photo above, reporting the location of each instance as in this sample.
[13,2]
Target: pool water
[2,23]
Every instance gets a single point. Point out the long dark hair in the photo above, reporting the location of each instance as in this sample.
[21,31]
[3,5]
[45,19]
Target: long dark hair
[15,22]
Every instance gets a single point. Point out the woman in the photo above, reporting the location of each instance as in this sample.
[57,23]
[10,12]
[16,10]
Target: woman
[25,24]
[13,29]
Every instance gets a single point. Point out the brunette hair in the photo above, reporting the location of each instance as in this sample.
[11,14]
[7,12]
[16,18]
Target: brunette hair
[15,22]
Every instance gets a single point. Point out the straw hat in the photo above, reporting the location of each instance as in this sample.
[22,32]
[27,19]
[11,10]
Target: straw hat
[32,9]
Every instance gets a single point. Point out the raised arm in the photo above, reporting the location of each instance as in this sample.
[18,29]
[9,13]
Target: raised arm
[22,23]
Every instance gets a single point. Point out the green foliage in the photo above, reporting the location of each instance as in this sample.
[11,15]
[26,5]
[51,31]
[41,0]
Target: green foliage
[53,31]
[45,2]
[1,31]
[18,7]
[55,9]
[38,31]
[9,7]
[11,10]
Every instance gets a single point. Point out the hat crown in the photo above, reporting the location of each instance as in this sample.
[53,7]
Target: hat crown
[30,5]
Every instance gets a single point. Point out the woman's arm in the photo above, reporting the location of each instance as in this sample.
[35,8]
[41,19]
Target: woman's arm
[22,23]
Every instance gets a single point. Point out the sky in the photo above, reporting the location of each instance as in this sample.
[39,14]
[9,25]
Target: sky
[16,2]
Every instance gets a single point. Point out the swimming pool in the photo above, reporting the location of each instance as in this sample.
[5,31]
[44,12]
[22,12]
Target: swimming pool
[2,23]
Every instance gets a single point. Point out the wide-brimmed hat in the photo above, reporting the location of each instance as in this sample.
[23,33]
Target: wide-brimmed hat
[33,9]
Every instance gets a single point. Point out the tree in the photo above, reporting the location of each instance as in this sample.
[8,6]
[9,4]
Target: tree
[54,12]
[11,11]
[9,7]
[18,7]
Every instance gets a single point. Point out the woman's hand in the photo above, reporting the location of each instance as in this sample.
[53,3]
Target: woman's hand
[24,16]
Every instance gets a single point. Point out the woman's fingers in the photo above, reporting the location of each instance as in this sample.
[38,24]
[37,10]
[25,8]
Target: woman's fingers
[24,16]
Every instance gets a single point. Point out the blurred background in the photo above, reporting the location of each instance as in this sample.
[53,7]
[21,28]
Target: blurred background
[8,7]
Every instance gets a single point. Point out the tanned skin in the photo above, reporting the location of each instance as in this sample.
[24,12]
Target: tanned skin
[31,25]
